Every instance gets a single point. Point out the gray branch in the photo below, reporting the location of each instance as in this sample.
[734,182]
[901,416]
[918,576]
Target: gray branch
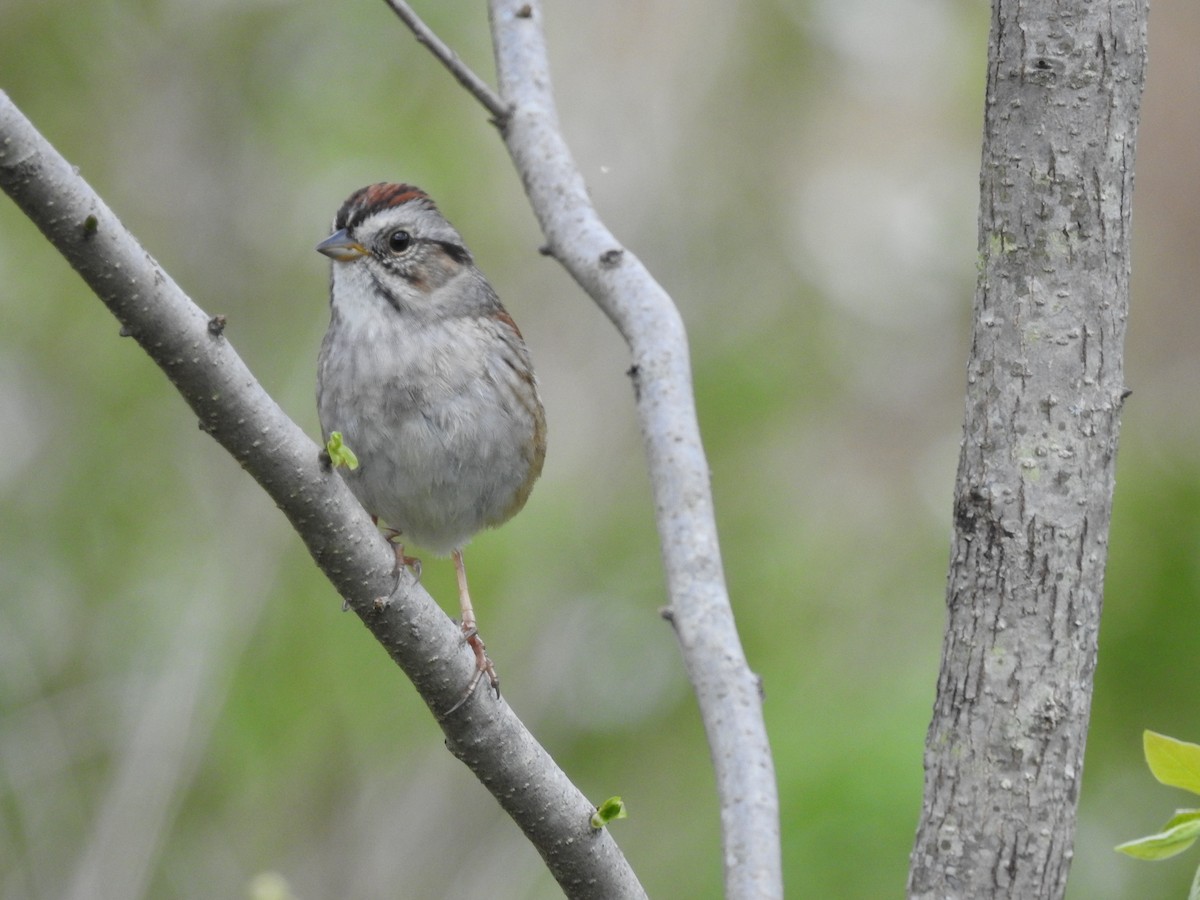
[1033,497]
[477,87]
[190,348]
[727,690]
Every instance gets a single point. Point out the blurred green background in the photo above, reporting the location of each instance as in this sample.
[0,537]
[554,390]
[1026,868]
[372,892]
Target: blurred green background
[183,707]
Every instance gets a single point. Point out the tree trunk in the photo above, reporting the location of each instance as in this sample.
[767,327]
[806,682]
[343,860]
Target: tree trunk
[1033,496]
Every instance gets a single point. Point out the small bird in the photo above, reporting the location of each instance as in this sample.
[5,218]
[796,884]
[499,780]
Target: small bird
[429,381]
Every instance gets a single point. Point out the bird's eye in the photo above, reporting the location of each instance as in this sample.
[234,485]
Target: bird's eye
[399,241]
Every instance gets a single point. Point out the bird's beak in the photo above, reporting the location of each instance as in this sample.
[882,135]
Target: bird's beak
[339,246]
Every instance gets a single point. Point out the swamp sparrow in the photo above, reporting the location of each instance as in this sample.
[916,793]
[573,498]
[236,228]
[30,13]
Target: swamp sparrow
[428,380]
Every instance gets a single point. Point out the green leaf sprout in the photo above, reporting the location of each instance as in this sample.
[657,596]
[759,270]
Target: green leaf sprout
[610,810]
[339,453]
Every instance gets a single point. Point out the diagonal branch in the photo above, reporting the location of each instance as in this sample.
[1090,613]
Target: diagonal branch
[465,75]
[726,689]
[192,351]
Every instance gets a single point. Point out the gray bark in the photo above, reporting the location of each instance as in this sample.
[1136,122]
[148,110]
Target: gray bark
[727,691]
[1004,753]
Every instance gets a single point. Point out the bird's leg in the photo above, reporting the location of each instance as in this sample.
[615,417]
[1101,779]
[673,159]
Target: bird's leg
[471,632]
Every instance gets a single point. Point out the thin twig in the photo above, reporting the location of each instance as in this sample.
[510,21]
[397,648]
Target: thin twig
[475,85]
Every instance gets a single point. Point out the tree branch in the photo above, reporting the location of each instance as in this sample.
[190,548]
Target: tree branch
[726,689]
[477,87]
[191,349]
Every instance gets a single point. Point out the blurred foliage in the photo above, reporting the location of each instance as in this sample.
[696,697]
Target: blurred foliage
[185,712]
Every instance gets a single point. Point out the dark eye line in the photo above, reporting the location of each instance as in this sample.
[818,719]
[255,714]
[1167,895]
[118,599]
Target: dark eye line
[456,252]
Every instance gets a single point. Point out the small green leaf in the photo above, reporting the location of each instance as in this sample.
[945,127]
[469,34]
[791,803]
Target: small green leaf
[1176,836]
[610,810]
[1174,763]
[339,453]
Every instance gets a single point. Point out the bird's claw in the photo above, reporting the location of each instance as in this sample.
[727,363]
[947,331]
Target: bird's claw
[483,666]
[403,561]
